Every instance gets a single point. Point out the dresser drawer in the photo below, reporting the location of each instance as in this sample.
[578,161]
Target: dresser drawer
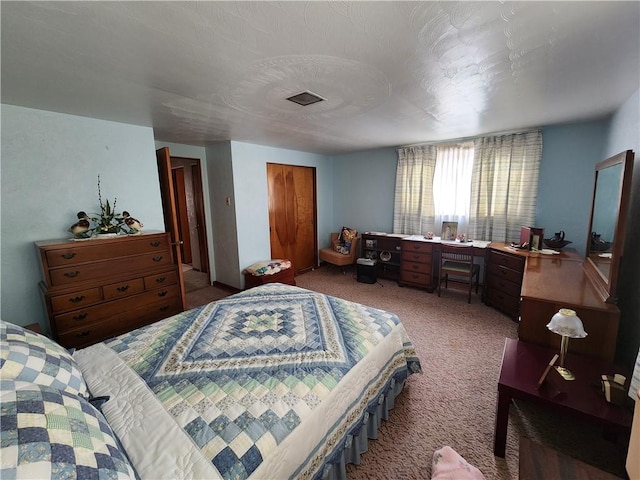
[159,279]
[125,321]
[97,250]
[87,316]
[71,301]
[507,274]
[507,303]
[416,257]
[505,286]
[123,289]
[413,267]
[513,262]
[119,266]
[423,247]
[421,279]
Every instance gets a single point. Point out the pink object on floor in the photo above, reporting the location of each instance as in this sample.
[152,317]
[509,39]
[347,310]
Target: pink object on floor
[449,465]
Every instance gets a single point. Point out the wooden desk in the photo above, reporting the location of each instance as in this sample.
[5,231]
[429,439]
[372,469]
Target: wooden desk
[537,462]
[522,366]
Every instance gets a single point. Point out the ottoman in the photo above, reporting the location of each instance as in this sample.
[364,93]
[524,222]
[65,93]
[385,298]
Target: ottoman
[269,271]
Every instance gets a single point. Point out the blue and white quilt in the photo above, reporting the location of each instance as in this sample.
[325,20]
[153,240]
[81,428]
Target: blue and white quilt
[267,383]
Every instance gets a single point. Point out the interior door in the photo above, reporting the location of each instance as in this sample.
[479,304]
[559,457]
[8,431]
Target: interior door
[169,211]
[179,189]
[292,214]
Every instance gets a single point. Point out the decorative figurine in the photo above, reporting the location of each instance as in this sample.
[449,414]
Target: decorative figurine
[134,225]
[81,229]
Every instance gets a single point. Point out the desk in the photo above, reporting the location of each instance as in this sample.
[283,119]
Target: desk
[522,366]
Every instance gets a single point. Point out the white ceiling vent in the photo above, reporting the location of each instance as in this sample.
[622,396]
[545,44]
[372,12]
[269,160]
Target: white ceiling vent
[305,98]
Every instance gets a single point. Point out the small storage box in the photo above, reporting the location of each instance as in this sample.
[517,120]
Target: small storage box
[366,270]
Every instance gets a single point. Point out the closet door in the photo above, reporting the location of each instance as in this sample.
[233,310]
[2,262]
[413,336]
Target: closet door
[292,214]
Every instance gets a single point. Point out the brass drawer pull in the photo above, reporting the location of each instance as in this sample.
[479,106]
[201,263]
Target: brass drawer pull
[83,334]
[72,274]
[123,288]
[68,256]
[158,258]
[162,293]
[164,308]
[77,299]
[80,317]
[160,279]
[154,244]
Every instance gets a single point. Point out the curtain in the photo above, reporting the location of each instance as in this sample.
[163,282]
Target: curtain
[504,185]
[452,186]
[413,210]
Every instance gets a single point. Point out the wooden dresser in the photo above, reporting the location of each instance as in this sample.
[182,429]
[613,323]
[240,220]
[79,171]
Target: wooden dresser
[416,266]
[99,288]
[504,281]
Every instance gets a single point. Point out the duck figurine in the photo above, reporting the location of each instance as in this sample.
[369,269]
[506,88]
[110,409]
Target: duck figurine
[80,229]
[134,225]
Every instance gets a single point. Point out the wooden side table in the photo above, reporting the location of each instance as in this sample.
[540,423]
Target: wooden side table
[522,366]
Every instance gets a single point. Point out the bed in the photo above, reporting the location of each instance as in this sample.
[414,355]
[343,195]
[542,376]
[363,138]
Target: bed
[273,382]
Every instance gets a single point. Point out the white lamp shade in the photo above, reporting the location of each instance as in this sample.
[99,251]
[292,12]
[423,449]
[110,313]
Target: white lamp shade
[566,323]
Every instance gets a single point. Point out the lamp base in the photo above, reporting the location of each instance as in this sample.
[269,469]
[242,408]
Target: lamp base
[565,373]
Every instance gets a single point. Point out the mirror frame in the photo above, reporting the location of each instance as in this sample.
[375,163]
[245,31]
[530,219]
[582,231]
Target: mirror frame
[607,286]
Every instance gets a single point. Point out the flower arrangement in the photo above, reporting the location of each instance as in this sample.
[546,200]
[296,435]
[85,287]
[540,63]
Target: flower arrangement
[108,220]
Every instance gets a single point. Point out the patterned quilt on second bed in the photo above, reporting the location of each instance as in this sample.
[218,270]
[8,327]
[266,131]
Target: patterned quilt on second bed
[239,374]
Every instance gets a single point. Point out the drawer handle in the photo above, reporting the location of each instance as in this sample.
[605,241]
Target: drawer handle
[77,299]
[83,334]
[72,274]
[164,308]
[68,256]
[123,288]
[160,279]
[415,276]
[80,317]
[155,244]
[163,293]
[158,258]
[415,267]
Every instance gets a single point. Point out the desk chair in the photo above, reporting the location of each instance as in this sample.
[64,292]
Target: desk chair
[457,260]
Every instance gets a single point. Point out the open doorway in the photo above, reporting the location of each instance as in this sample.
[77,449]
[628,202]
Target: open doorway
[186,175]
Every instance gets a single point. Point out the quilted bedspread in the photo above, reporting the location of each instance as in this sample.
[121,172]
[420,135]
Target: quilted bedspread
[267,382]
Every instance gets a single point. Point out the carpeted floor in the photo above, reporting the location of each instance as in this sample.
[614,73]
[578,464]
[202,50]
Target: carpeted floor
[453,402]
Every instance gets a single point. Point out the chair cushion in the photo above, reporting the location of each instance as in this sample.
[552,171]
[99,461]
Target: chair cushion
[456,266]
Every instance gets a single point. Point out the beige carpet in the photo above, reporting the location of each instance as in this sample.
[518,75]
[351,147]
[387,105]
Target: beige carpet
[453,402]
[195,280]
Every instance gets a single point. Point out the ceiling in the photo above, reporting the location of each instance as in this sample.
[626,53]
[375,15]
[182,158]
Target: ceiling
[391,73]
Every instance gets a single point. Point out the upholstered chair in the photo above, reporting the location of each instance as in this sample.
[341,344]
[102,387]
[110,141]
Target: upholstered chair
[330,255]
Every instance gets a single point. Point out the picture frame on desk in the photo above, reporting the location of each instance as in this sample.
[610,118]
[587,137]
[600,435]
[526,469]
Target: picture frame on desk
[449,231]
[537,234]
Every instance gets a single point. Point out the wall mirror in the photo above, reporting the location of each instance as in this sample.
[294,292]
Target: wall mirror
[607,226]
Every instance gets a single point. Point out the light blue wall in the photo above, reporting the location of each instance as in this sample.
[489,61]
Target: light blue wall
[252,202]
[565,185]
[225,234]
[50,165]
[363,190]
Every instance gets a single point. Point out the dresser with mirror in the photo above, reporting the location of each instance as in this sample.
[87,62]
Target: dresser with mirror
[587,285]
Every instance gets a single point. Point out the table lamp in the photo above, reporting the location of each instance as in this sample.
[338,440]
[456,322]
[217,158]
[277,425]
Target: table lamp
[566,323]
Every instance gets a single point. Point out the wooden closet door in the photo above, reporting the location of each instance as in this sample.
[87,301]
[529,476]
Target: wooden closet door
[292,214]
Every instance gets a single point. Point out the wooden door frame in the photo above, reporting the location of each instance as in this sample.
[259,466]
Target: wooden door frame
[167,194]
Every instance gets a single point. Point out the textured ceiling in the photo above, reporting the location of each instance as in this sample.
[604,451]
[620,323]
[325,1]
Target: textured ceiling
[392,73]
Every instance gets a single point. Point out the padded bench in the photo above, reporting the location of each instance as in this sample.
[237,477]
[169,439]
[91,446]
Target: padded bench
[269,271]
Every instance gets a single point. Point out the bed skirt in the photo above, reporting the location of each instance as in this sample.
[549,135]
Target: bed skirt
[357,442]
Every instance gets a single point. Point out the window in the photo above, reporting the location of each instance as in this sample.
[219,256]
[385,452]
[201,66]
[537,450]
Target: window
[488,185]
